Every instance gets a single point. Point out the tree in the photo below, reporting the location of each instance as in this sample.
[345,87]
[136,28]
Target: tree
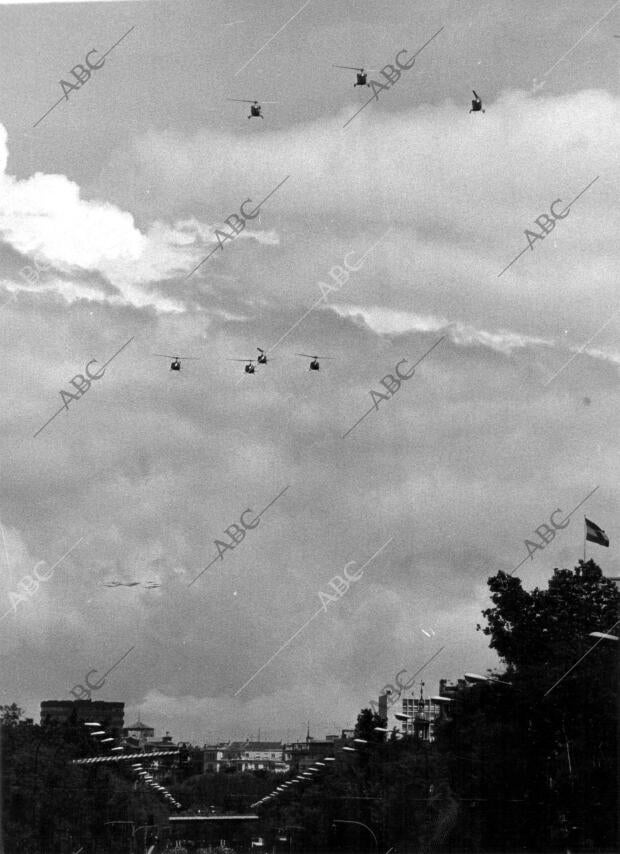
[10,715]
[534,761]
[367,720]
[48,804]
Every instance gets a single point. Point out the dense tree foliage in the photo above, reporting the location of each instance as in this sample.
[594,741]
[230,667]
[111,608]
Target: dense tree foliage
[536,759]
[50,806]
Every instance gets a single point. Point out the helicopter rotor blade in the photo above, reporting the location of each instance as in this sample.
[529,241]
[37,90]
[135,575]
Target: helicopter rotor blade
[242,100]
[241,360]
[169,356]
[307,356]
[349,67]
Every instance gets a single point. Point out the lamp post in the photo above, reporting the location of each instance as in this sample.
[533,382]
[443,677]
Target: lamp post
[144,827]
[603,636]
[125,822]
[134,830]
[290,835]
[361,824]
[36,774]
[476,678]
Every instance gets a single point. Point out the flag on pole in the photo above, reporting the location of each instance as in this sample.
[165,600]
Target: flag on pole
[595,534]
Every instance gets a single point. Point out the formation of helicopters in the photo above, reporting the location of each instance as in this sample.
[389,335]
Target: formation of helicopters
[249,366]
[361,75]
[150,585]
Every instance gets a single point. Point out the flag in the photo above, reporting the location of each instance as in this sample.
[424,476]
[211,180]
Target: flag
[595,534]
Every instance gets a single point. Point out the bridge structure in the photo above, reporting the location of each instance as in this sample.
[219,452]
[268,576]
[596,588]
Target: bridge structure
[234,830]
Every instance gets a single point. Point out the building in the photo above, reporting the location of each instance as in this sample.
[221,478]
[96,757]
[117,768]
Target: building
[303,754]
[245,756]
[423,714]
[138,734]
[255,756]
[451,689]
[213,757]
[111,716]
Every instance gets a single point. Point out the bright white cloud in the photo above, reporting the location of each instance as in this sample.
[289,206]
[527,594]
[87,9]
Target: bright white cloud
[45,217]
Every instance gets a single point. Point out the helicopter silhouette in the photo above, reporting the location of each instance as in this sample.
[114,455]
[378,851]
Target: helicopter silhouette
[175,365]
[361,74]
[255,109]
[476,104]
[249,364]
[262,359]
[121,583]
[314,364]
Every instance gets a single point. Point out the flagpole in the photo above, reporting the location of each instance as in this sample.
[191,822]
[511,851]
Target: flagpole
[585,534]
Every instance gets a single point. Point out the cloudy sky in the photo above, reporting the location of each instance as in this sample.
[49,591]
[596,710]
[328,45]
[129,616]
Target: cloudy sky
[117,194]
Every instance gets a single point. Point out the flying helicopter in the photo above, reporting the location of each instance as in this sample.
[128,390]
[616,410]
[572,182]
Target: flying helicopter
[262,359]
[175,365]
[361,74]
[255,109]
[249,365]
[121,583]
[314,364]
[476,104]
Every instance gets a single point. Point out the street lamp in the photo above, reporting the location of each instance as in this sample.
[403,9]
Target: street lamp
[361,824]
[477,678]
[603,636]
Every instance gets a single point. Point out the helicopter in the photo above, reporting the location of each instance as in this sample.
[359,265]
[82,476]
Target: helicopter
[175,365]
[314,364]
[255,109]
[476,104]
[361,74]
[262,359]
[249,364]
[121,583]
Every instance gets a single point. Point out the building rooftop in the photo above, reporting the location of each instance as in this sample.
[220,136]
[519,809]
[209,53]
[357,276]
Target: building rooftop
[255,745]
[140,726]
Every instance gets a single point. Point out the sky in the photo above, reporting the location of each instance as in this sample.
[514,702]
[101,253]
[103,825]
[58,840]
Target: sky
[118,193]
